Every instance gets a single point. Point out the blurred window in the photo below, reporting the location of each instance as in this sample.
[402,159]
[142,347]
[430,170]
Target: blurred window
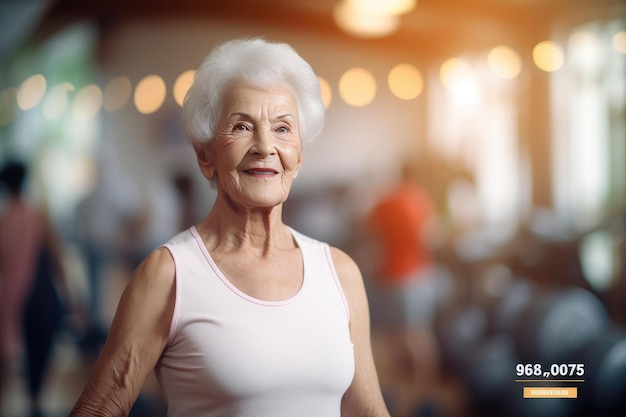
[589,129]
[473,114]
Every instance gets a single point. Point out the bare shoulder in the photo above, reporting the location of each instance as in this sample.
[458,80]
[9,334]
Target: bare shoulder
[159,262]
[350,278]
[346,268]
[157,269]
[151,290]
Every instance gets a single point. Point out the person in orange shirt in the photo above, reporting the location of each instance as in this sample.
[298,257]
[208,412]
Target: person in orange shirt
[401,225]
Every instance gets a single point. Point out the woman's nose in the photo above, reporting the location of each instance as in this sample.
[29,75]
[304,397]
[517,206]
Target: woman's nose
[263,144]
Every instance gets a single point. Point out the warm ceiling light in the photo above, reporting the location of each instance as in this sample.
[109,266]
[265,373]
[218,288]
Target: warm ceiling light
[548,56]
[56,101]
[504,62]
[362,24]
[454,72]
[87,102]
[357,87]
[460,80]
[31,92]
[182,85]
[150,94]
[405,81]
[619,41]
[383,7]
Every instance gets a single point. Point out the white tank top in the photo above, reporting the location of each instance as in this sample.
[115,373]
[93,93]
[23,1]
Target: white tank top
[231,355]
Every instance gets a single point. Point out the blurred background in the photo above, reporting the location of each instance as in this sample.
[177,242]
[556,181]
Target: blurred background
[512,111]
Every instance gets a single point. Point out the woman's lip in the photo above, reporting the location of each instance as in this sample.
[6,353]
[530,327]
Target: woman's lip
[261,171]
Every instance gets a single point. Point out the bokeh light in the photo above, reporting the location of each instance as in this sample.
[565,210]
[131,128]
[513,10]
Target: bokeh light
[31,92]
[362,24]
[327,92]
[182,85]
[357,87]
[458,77]
[619,41]
[383,7]
[150,94]
[116,94]
[504,62]
[405,81]
[56,102]
[548,56]
[87,102]
[453,72]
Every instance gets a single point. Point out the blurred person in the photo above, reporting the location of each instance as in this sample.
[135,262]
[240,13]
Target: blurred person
[401,225]
[32,282]
[241,315]
[97,232]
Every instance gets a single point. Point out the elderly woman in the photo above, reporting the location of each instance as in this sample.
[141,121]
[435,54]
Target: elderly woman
[240,315]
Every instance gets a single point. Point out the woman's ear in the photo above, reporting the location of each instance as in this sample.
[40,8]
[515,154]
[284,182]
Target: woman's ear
[203,154]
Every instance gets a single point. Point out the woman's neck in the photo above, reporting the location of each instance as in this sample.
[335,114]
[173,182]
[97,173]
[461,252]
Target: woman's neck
[256,229]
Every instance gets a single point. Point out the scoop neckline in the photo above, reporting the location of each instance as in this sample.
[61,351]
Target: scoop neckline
[233,288]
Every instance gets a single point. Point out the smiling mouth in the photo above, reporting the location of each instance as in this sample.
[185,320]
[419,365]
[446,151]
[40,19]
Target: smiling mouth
[261,171]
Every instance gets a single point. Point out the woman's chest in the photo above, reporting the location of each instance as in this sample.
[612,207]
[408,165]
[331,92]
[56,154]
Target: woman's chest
[242,350]
[273,277]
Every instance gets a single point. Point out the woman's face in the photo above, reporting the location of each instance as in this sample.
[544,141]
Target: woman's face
[257,150]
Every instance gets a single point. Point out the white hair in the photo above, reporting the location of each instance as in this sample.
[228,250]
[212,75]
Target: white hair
[259,63]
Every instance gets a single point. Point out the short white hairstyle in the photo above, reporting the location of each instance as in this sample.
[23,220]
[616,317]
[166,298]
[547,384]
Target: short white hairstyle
[258,63]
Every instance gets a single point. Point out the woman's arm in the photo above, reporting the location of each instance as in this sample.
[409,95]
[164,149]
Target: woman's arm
[364,397]
[136,340]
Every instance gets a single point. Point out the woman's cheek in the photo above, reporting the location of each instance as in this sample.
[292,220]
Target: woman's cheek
[292,157]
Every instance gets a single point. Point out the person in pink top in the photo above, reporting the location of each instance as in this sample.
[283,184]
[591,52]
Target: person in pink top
[240,315]
[32,284]
[21,235]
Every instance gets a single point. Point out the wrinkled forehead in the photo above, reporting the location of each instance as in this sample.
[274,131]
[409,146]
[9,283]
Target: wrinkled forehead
[252,98]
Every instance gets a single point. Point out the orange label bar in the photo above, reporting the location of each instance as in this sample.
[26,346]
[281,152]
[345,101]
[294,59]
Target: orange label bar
[550,392]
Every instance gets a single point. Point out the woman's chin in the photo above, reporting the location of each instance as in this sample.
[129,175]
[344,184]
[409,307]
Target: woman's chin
[265,201]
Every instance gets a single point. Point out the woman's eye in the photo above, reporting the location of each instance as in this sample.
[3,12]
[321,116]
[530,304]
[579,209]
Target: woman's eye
[241,127]
[283,129]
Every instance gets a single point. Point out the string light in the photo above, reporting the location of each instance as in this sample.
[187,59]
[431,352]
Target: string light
[548,56]
[405,81]
[619,41]
[87,103]
[56,103]
[150,94]
[31,92]
[504,62]
[357,87]
[182,85]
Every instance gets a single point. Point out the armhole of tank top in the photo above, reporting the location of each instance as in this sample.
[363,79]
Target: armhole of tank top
[175,314]
[331,265]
